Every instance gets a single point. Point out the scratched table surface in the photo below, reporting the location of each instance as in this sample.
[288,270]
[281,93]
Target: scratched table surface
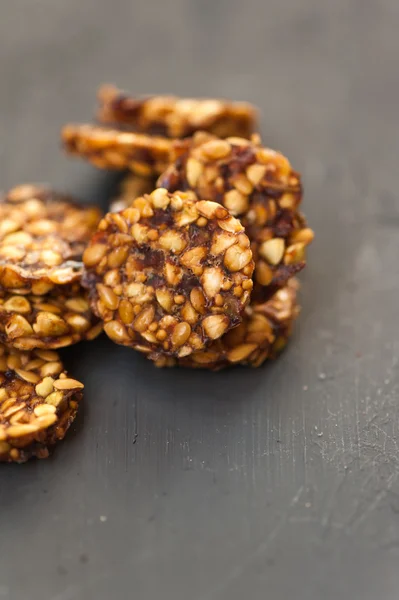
[280,482]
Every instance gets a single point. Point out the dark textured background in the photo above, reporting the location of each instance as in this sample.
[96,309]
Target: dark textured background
[276,483]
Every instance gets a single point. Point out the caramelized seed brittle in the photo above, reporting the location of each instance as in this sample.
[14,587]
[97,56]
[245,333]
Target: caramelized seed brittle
[263,333]
[38,403]
[257,185]
[58,319]
[42,238]
[169,274]
[115,148]
[174,117]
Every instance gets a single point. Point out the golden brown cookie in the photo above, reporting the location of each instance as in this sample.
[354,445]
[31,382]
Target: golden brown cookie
[55,320]
[263,333]
[42,238]
[38,403]
[170,274]
[257,185]
[174,117]
[115,148]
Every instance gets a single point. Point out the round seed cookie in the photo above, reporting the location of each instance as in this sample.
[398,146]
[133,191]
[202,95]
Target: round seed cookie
[170,274]
[115,148]
[42,238]
[38,403]
[255,184]
[263,333]
[131,188]
[176,117]
[51,321]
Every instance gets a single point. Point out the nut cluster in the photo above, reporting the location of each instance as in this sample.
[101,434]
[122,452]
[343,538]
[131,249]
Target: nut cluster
[263,333]
[176,117]
[169,274]
[38,402]
[257,185]
[42,238]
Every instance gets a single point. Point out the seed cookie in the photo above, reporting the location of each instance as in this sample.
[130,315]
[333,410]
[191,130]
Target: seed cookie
[170,274]
[257,185]
[51,321]
[117,149]
[38,403]
[263,333]
[174,117]
[42,238]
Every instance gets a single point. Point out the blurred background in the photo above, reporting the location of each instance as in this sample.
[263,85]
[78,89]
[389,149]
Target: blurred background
[324,72]
[281,482]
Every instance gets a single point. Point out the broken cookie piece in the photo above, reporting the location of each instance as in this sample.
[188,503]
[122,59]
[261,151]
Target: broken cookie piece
[169,274]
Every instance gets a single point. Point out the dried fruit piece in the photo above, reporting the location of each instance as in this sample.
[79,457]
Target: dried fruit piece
[176,291]
[263,333]
[58,319]
[42,238]
[255,184]
[36,409]
[118,149]
[174,117]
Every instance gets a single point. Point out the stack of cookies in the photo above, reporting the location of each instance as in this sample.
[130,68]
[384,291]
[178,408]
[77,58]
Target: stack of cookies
[194,264]
[42,307]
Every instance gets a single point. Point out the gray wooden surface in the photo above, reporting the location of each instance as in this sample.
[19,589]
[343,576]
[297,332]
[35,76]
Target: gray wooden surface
[276,483]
